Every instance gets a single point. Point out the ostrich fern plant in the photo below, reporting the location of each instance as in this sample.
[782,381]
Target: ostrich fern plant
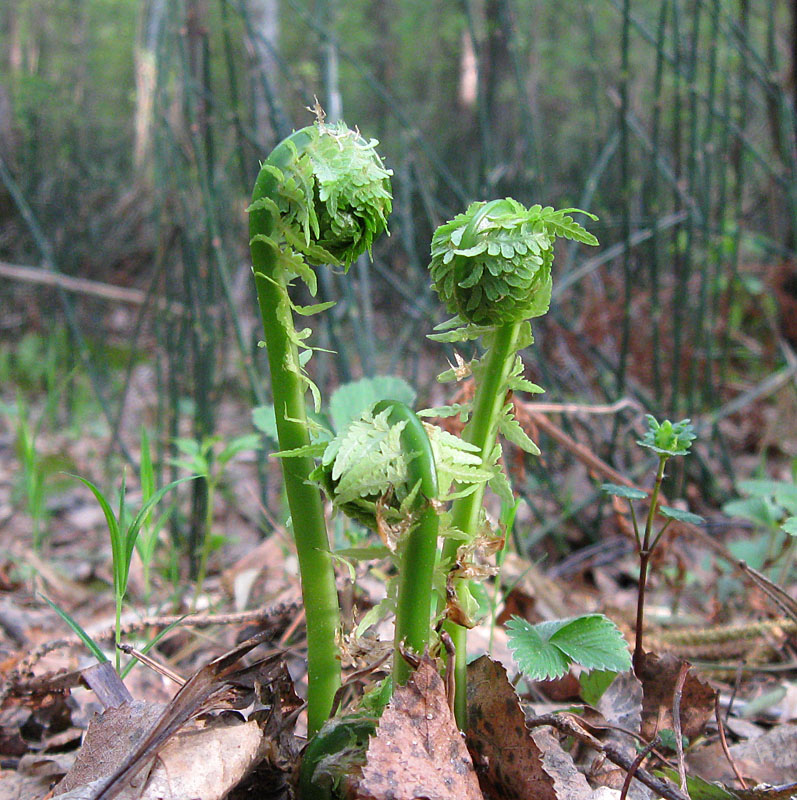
[321,198]
[491,267]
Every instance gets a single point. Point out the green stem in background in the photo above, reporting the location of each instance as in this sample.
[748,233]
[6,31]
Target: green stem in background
[645,552]
[207,542]
[481,430]
[323,195]
[414,606]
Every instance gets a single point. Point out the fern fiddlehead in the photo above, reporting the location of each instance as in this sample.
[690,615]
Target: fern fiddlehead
[321,197]
[491,267]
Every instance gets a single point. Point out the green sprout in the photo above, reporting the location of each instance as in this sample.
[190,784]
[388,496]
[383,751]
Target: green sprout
[491,266]
[666,440]
[321,197]
[123,530]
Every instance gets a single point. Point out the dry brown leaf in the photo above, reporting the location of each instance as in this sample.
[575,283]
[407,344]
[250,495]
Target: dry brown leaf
[109,738]
[659,677]
[770,758]
[508,761]
[568,782]
[218,684]
[225,752]
[418,753]
[621,706]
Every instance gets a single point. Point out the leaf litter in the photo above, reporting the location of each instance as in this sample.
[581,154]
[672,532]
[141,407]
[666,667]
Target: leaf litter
[39,717]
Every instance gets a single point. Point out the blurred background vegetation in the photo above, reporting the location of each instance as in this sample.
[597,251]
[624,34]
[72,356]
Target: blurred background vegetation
[130,136]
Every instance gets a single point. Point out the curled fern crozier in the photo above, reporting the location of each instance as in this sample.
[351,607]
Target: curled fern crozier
[326,194]
[492,265]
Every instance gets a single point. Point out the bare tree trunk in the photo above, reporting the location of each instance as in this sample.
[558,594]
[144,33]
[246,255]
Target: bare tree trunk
[263,38]
[9,64]
[146,75]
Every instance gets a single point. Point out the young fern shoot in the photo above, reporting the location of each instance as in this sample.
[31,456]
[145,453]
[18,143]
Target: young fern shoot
[321,197]
[491,267]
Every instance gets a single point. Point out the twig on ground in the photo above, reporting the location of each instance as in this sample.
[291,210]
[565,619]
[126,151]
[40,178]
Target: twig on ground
[635,765]
[567,724]
[676,722]
[724,742]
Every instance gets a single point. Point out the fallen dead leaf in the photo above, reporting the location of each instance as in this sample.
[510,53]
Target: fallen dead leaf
[770,758]
[508,761]
[621,706]
[418,752]
[659,677]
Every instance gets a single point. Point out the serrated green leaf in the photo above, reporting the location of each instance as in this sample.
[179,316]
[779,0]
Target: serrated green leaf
[593,641]
[623,491]
[790,526]
[681,516]
[315,450]
[511,429]
[537,658]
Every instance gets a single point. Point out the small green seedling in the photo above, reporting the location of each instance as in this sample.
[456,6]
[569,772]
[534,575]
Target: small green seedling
[772,507]
[666,440]
[207,460]
[123,536]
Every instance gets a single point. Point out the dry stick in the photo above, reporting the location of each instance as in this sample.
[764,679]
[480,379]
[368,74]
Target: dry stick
[636,764]
[676,722]
[580,451]
[154,665]
[724,742]
[568,725]
[105,291]
[194,621]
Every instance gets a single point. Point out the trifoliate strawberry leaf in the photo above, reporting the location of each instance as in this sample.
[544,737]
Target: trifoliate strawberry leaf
[593,641]
[681,516]
[537,658]
[623,491]
[547,649]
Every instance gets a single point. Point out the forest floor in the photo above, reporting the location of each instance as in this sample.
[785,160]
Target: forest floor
[736,705]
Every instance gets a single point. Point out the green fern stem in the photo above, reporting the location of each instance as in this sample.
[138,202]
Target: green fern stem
[481,430]
[414,606]
[319,593]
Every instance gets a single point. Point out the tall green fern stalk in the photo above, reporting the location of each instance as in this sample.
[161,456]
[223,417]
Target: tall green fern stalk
[321,197]
[491,267]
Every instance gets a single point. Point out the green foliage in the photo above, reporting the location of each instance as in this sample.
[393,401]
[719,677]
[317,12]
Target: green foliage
[594,683]
[668,439]
[769,503]
[547,650]
[350,399]
[123,535]
[364,468]
[492,264]
[208,459]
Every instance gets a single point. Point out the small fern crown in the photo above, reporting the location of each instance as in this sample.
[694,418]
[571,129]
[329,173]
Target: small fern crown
[328,194]
[492,265]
